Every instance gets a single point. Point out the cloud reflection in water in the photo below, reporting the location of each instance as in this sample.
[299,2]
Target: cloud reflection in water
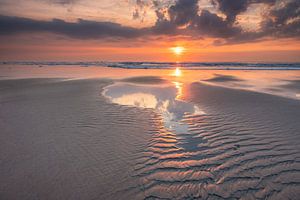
[164,100]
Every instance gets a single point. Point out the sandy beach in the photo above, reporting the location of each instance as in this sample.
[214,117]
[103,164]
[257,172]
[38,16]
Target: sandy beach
[148,138]
[150,100]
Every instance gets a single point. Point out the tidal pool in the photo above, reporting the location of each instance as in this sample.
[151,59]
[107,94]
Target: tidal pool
[164,99]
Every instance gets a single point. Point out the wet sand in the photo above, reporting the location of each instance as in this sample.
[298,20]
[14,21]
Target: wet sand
[63,139]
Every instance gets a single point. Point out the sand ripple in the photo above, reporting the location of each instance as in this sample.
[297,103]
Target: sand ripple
[244,145]
[224,154]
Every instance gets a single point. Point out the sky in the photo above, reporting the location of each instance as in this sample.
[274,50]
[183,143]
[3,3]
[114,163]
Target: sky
[148,30]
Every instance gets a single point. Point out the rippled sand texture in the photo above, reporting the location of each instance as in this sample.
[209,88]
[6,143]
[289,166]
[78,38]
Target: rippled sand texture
[246,146]
[64,140]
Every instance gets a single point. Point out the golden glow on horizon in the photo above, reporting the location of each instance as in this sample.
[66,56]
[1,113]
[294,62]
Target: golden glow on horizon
[159,51]
[178,50]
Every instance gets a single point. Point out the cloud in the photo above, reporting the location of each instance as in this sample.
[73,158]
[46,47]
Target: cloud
[233,8]
[212,25]
[183,12]
[283,22]
[140,10]
[182,18]
[83,29]
[61,2]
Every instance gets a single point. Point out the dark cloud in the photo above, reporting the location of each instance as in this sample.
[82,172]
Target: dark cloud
[186,13]
[289,11]
[182,18]
[164,27]
[183,12]
[212,25]
[283,22]
[233,8]
[61,2]
[82,29]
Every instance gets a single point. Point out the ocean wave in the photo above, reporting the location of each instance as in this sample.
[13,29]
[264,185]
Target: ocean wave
[169,65]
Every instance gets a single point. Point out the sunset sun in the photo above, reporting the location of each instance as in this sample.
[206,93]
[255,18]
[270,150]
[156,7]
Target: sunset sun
[178,50]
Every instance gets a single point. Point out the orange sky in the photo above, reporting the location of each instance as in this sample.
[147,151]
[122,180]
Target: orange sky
[266,51]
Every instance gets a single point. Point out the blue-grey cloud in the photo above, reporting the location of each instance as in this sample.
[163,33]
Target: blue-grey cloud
[233,8]
[183,18]
[83,29]
[283,22]
[183,12]
[61,2]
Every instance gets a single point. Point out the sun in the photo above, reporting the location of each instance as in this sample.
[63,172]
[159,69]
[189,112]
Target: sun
[178,50]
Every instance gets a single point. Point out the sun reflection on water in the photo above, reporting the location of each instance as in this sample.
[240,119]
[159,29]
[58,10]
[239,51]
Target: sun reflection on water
[177,72]
[178,86]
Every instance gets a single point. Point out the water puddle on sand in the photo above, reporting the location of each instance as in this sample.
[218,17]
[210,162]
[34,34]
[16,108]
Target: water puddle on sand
[165,100]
